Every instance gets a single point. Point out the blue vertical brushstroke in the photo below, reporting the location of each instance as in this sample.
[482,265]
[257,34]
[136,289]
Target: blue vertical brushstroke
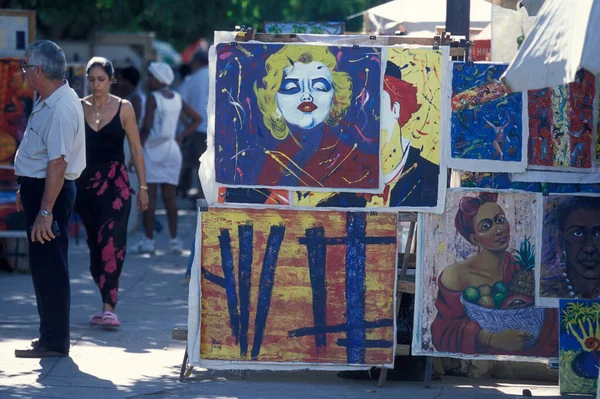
[356,258]
[227,265]
[245,232]
[265,287]
[317,252]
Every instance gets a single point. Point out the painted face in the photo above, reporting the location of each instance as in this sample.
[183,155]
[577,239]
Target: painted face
[98,80]
[153,83]
[306,94]
[491,229]
[581,242]
[389,114]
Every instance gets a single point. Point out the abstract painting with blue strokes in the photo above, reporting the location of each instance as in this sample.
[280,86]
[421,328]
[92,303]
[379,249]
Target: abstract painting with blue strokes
[293,116]
[486,121]
[297,287]
[503,181]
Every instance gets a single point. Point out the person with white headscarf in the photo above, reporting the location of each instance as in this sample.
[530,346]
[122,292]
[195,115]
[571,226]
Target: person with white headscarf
[162,154]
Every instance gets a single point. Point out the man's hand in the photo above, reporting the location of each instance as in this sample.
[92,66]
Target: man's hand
[42,229]
[18,201]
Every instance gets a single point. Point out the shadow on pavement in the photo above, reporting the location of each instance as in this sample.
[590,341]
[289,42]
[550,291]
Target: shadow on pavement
[51,382]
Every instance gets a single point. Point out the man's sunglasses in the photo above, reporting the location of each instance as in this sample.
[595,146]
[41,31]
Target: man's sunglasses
[24,66]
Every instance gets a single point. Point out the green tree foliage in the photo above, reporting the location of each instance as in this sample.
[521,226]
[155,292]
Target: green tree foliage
[179,22]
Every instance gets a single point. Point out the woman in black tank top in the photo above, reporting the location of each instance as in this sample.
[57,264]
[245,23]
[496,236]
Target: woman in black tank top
[103,190]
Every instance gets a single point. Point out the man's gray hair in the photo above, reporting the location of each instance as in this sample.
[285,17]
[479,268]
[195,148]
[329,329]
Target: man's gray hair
[49,57]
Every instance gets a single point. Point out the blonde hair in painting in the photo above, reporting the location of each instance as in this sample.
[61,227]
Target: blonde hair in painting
[275,64]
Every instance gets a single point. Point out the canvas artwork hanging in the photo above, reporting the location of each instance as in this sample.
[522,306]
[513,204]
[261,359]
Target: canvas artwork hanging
[290,116]
[414,177]
[507,181]
[315,28]
[493,180]
[296,289]
[488,124]
[589,176]
[16,103]
[475,280]
[569,248]
[256,196]
[598,132]
[579,360]
[561,127]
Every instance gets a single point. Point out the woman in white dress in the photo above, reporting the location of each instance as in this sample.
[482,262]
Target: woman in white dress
[162,153]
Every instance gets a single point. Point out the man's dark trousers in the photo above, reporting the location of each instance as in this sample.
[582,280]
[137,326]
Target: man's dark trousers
[49,264]
[194,146]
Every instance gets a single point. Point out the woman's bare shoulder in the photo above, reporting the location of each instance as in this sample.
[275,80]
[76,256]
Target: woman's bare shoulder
[455,276]
[87,100]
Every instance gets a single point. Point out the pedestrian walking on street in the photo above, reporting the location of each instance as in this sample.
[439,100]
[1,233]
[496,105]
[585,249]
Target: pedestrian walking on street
[50,157]
[104,194]
[127,87]
[162,154]
[128,80]
[194,91]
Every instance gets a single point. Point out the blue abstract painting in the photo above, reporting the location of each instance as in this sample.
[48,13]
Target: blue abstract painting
[294,116]
[503,181]
[486,121]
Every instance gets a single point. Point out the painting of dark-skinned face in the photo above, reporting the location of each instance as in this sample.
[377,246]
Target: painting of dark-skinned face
[570,261]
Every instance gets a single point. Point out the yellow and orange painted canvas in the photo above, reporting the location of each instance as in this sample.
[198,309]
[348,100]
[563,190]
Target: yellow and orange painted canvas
[289,286]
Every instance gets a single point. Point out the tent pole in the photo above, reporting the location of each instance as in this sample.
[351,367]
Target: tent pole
[458,17]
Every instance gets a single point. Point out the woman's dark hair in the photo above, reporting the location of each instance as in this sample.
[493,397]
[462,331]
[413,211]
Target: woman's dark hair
[201,57]
[184,70]
[131,75]
[574,204]
[103,63]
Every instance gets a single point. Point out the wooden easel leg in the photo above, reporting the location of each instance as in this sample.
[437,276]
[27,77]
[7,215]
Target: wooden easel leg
[402,274]
[184,364]
[17,255]
[382,377]
[428,371]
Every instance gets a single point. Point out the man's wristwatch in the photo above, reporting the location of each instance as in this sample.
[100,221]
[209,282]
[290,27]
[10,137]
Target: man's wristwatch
[44,213]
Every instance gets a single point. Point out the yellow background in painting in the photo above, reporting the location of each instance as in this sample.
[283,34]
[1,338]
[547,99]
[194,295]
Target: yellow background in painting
[421,67]
[291,300]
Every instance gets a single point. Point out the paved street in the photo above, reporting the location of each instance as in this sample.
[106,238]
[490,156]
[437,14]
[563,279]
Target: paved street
[141,361]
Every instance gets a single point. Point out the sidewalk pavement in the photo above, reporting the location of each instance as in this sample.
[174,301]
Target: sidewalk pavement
[140,360]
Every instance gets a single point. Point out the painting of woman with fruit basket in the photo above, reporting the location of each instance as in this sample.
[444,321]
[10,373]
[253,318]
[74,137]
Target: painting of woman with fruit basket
[480,281]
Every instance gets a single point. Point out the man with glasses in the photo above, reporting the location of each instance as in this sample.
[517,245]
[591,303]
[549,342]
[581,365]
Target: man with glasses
[24,66]
[49,159]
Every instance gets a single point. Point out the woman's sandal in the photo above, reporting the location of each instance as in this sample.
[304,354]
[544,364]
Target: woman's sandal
[96,319]
[109,320]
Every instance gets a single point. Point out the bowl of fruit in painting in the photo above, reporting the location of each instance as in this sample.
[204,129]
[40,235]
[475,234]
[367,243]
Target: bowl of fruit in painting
[495,308]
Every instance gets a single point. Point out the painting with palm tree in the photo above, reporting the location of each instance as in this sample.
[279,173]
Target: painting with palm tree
[579,346]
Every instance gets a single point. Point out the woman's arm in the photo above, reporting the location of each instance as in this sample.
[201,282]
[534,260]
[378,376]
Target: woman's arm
[148,118]
[129,122]
[136,102]
[192,121]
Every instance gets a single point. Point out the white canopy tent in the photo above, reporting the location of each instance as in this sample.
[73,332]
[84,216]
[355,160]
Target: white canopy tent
[563,40]
[420,18]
